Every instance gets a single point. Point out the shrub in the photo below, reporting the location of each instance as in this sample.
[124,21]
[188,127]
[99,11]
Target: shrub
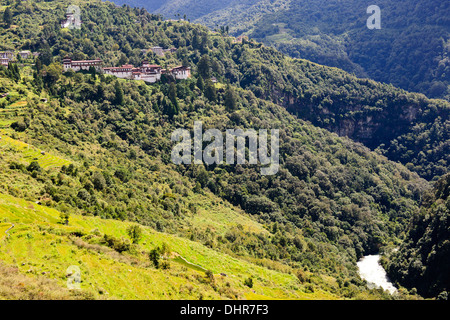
[64,218]
[155,257]
[19,125]
[249,282]
[34,166]
[135,233]
[120,245]
[98,180]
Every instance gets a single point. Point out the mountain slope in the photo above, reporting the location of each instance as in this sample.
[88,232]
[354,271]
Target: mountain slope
[333,200]
[406,127]
[422,262]
[42,248]
[334,33]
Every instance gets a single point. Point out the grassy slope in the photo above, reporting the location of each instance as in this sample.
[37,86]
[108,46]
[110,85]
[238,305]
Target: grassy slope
[34,259]
[40,244]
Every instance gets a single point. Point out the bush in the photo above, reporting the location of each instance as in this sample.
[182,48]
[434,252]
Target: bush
[98,180]
[301,276]
[135,233]
[120,245]
[19,126]
[64,218]
[249,282]
[155,256]
[34,166]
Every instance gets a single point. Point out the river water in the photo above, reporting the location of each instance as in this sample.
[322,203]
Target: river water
[371,271]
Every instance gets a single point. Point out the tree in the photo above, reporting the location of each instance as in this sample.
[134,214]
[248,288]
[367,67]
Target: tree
[7,17]
[204,67]
[172,94]
[34,166]
[200,83]
[135,233]
[92,71]
[19,125]
[210,277]
[38,82]
[210,91]
[155,256]
[64,218]
[185,62]
[53,73]
[204,44]
[13,71]
[249,282]
[123,59]
[119,98]
[230,99]
[38,65]
[45,56]
[98,180]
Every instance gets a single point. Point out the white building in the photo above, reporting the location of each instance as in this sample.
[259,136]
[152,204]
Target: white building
[25,54]
[181,73]
[82,64]
[161,51]
[4,61]
[147,72]
[124,72]
[7,54]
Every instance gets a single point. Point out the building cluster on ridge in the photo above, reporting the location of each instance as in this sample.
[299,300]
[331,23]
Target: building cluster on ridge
[146,72]
[9,56]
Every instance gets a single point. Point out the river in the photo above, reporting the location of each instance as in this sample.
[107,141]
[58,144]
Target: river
[371,271]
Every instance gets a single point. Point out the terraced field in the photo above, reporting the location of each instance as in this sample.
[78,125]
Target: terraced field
[28,153]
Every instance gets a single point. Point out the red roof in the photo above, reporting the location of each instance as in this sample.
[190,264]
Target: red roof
[150,66]
[86,61]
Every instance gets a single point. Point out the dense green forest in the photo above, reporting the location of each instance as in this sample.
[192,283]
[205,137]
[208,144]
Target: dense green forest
[422,262]
[333,200]
[334,33]
[405,127]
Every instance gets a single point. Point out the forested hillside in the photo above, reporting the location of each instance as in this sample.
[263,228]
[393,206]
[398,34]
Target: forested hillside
[93,146]
[423,260]
[334,33]
[405,127]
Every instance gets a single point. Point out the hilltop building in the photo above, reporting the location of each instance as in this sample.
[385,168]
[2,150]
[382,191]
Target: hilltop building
[6,57]
[7,54]
[82,64]
[25,54]
[4,61]
[158,51]
[147,72]
[181,72]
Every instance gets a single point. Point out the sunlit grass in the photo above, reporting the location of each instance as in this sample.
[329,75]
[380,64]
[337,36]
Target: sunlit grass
[29,153]
[39,244]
